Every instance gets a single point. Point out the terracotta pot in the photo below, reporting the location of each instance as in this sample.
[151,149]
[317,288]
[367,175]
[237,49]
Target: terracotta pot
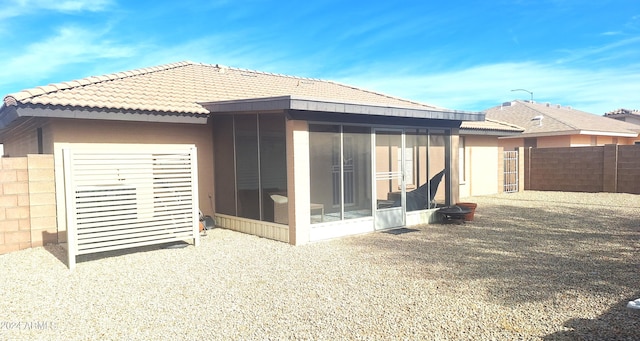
[470,205]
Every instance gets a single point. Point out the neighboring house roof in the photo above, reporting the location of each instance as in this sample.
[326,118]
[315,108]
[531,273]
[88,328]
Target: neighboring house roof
[544,119]
[489,127]
[626,115]
[182,89]
[622,111]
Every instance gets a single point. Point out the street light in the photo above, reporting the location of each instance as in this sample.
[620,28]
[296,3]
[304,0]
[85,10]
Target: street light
[530,92]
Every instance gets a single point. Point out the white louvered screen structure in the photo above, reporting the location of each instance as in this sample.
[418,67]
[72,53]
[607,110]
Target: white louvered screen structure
[123,196]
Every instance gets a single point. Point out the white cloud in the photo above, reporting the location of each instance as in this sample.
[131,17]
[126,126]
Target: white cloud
[481,87]
[16,8]
[69,46]
[72,5]
[615,50]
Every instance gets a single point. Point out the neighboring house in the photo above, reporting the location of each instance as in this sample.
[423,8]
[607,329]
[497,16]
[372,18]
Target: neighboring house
[481,158]
[313,158]
[547,125]
[625,115]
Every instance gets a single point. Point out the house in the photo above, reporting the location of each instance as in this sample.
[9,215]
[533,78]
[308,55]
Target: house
[288,158]
[625,115]
[546,125]
[481,159]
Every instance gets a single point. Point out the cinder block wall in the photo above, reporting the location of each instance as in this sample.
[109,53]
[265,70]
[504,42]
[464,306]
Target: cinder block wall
[628,172]
[610,168]
[571,169]
[27,202]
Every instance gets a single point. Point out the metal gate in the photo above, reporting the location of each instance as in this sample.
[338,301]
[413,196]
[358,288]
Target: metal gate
[511,171]
[122,196]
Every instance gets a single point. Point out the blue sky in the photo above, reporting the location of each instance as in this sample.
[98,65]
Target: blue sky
[465,55]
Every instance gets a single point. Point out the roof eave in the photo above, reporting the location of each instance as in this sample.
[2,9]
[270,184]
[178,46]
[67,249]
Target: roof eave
[608,133]
[8,114]
[488,132]
[574,132]
[11,113]
[282,103]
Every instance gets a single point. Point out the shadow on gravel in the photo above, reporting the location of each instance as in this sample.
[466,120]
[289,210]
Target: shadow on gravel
[618,323]
[557,252]
[62,254]
[532,254]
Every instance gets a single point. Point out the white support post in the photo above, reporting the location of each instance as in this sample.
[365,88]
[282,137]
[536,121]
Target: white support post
[70,209]
[194,181]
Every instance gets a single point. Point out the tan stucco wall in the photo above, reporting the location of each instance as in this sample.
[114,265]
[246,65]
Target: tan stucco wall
[98,131]
[481,166]
[580,141]
[510,144]
[595,140]
[298,185]
[554,141]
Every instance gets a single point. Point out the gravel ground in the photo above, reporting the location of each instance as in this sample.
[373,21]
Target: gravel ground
[532,265]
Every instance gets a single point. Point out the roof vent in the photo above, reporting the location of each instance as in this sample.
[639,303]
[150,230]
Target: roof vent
[506,104]
[539,119]
[558,106]
[221,68]
[547,104]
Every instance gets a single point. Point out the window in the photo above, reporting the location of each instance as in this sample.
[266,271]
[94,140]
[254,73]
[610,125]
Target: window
[340,169]
[356,169]
[250,165]
[427,149]
[247,170]
[409,165]
[415,158]
[273,166]
[224,157]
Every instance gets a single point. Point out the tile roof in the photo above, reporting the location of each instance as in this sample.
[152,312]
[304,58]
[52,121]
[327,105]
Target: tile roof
[492,125]
[179,87]
[556,119]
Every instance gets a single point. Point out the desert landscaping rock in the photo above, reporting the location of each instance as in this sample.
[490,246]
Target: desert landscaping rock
[530,266]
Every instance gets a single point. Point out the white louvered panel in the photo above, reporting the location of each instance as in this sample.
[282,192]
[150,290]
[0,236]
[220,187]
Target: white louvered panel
[132,242]
[121,197]
[115,226]
[88,238]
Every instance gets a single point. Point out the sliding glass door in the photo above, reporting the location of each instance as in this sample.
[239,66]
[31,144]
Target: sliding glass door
[390,180]
[409,173]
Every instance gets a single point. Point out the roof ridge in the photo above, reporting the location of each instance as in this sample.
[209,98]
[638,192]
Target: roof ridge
[321,80]
[14,98]
[385,95]
[257,71]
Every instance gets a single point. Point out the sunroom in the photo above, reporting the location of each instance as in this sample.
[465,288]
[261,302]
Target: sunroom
[300,170]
